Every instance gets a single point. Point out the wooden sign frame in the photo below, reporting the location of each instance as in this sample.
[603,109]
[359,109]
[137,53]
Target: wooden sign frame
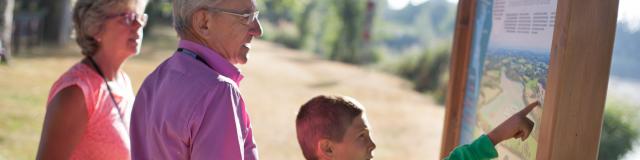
[579,66]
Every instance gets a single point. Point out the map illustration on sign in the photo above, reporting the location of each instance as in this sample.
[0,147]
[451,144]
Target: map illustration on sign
[508,69]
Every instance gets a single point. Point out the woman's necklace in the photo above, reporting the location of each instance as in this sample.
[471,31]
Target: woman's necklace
[113,99]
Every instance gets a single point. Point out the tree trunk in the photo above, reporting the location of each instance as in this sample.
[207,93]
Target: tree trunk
[6,23]
[57,20]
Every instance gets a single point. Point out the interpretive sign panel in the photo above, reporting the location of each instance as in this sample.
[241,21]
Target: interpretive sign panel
[508,69]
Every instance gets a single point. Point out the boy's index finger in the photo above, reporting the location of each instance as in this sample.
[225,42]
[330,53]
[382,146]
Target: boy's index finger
[529,108]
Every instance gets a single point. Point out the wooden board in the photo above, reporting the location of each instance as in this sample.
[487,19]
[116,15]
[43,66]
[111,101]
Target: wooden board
[460,55]
[578,77]
[577,80]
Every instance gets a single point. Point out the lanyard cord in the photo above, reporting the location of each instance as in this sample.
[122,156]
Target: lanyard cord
[192,55]
[113,99]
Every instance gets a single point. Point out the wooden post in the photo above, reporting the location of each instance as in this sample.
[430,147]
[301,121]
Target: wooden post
[578,77]
[460,56]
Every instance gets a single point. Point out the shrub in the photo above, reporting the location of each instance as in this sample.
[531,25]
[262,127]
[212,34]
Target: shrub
[618,132]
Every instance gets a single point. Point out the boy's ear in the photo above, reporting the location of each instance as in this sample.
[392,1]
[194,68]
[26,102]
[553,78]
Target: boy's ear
[325,149]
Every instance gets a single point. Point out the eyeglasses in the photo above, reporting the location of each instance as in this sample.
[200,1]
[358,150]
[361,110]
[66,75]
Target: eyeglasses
[249,16]
[131,17]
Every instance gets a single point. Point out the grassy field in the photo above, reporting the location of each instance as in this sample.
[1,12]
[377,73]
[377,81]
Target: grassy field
[24,87]
[405,124]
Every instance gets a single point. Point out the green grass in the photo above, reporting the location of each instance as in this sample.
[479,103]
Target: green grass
[25,84]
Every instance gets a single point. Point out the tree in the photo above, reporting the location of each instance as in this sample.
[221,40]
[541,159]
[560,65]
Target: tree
[282,9]
[160,14]
[352,16]
[57,20]
[618,131]
[6,19]
[303,24]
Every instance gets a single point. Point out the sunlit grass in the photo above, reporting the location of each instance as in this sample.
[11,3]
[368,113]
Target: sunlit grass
[25,84]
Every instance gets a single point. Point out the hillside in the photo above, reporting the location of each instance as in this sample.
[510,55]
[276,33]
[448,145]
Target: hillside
[626,53]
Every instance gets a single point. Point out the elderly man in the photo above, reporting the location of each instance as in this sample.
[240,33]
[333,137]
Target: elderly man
[190,107]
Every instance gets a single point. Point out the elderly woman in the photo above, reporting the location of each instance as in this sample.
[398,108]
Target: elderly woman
[190,107]
[89,106]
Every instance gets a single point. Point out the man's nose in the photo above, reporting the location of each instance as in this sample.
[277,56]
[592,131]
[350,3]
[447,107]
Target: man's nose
[256,28]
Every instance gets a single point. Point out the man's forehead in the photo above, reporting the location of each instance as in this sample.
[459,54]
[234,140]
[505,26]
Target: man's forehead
[244,5]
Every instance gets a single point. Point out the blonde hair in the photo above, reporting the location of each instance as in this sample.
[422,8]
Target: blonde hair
[89,18]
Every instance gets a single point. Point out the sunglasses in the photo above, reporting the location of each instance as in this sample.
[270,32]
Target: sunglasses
[131,17]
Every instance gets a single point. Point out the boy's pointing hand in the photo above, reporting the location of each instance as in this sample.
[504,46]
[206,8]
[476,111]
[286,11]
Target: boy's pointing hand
[517,126]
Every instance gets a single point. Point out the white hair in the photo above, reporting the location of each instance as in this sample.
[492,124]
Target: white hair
[184,9]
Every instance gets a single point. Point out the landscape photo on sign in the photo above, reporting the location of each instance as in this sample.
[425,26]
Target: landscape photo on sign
[510,60]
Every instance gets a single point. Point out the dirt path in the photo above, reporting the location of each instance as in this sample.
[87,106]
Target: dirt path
[406,124]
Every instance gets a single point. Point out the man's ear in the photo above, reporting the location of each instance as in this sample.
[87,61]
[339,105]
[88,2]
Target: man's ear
[325,149]
[199,21]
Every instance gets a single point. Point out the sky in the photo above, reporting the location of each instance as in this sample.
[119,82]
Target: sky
[629,13]
[399,4]
[628,10]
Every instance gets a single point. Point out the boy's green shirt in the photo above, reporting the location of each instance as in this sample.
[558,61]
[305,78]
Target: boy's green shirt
[482,148]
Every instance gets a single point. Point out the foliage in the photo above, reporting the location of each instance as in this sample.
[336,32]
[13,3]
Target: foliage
[351,16]
[159,12]
[421,26]
[287,37]
[281,10]
[428,71]
[333,30]
[322,29]
[440,94]
[618,132]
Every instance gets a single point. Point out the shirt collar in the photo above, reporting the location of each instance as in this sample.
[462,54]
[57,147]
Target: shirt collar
[214,60]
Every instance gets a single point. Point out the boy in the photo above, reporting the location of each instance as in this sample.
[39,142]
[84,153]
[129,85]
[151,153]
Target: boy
[336,127]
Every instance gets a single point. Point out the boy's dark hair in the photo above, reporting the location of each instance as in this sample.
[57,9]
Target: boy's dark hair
[324,117]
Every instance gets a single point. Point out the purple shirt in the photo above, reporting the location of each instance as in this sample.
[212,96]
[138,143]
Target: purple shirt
[190,107]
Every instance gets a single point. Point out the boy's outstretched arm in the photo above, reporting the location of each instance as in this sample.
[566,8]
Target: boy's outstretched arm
[517,126]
